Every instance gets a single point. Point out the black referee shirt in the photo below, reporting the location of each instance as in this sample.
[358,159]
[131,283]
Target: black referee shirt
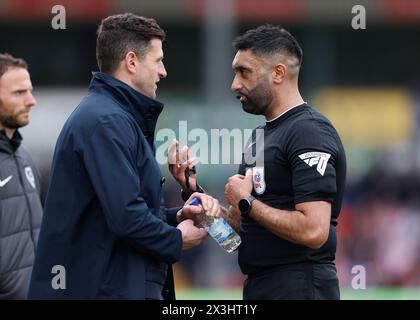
[303,161]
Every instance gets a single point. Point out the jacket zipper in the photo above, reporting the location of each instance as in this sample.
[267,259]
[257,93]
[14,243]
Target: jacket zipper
[27,200]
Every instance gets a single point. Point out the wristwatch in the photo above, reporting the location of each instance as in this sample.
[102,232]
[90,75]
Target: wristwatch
[245,205]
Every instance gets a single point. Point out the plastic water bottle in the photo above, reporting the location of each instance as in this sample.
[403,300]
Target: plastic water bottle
[219,229]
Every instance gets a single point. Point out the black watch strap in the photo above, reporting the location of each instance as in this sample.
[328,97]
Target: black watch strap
[199,189]
[186,196]
[187,176]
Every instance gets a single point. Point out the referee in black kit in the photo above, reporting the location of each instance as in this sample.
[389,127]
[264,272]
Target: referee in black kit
[289,205]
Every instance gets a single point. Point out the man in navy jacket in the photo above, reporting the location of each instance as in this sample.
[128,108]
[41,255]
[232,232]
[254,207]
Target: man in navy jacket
[105,233]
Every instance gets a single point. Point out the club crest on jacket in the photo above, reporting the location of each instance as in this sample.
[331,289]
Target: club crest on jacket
[30,176]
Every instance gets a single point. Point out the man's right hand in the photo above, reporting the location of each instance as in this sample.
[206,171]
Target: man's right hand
[179,163]
[209,206]
[191,235]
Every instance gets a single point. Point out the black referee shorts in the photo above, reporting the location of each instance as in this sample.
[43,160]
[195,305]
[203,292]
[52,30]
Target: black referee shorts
[306,281]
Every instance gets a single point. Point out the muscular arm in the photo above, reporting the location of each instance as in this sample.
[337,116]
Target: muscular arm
[308,225]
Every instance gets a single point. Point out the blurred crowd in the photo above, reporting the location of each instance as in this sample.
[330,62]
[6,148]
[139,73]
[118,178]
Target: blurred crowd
[379,229]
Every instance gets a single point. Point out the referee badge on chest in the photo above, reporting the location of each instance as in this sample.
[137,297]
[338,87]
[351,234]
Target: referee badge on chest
[258,179]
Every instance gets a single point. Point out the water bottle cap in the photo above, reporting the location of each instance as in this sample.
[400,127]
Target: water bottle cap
[195,202]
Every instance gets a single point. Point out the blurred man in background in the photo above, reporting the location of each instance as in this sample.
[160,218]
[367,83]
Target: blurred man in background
[20,203]
[286,205]
[104,222]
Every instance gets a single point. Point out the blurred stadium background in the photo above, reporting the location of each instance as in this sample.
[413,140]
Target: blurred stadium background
[366,81]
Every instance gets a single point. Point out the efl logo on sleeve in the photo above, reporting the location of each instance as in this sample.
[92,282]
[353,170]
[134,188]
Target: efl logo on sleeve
[316,158]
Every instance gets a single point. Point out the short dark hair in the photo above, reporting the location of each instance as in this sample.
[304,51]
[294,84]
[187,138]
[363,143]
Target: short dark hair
[268,39]
[8,61]
[121,33]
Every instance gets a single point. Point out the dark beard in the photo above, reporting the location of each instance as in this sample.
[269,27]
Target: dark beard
[258,99]
[10,121]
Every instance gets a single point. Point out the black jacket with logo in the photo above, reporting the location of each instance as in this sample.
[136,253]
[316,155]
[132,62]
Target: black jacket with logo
[20,216]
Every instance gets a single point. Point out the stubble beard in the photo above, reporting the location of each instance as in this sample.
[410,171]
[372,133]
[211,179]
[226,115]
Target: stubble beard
[258,99]
[11,120]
